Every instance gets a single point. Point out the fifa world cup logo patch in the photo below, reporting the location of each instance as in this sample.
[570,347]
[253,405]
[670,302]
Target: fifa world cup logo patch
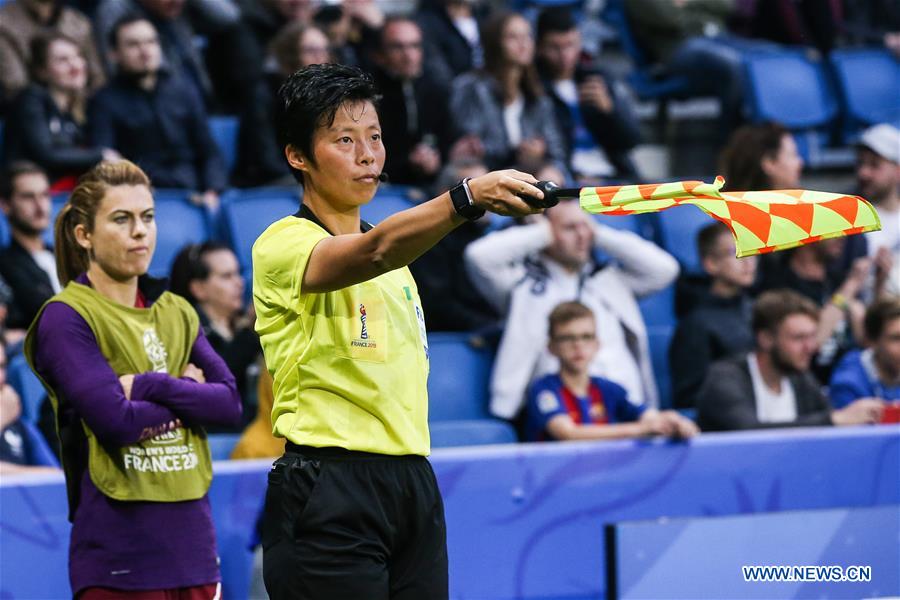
[363,334]
[155,350]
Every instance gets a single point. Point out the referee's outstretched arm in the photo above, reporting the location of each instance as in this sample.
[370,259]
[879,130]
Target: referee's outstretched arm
[343,260]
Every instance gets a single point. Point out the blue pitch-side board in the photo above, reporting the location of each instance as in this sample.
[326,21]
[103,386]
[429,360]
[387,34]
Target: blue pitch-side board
[525,521]
[709,555]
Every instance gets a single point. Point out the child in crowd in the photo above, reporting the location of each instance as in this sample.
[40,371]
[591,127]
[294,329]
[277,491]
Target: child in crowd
[572,405]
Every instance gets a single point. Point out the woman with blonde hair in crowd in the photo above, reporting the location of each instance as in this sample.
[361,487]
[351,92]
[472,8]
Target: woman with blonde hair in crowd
[47,124]
[132,381]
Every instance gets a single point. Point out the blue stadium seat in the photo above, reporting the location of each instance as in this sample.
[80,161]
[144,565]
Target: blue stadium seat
[178,222]
[458,386]
[659,308]
[28,386]
[247,213]
[387,201]
[4,231]
[479,432]
[39,452]
[868,80]
[221,444]
[660,337]
[678,229]
[790,88]
[56,203]
[633,223]
[224,130]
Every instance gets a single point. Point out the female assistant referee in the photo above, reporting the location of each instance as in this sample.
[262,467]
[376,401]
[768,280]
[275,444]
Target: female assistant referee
[353,509]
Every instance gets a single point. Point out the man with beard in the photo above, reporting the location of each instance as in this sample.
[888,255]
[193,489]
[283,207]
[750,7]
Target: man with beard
[152,117]
[772,386]
[27,264]
[878,181]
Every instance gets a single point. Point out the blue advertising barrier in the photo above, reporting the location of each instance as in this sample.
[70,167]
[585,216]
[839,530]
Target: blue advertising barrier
[836,553]
[526,520]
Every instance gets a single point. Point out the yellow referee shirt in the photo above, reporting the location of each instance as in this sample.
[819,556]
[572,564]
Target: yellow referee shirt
[350,367]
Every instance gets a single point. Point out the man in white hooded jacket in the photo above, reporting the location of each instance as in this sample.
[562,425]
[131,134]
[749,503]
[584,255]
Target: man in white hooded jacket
[526,271]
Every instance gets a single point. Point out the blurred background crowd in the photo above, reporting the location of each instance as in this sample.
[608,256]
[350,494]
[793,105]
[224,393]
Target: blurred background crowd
[772,94]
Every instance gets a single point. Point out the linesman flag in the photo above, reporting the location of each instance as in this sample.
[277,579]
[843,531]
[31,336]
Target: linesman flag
[761,222]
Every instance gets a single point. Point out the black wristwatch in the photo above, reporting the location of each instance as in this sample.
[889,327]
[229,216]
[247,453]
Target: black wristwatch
[462,201]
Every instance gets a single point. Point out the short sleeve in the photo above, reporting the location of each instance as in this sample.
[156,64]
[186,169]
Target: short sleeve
[617,402]
[544,403]
[280,256]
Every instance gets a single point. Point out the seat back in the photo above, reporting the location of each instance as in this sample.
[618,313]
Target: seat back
[790,88]
[458,386]
[247,213]
[179,222]
[387,201]
[28,386]
[39,452]
[224,131]
[660,337]
[480,432]
[678,229]
[868,82]
[659,308]
[221,444]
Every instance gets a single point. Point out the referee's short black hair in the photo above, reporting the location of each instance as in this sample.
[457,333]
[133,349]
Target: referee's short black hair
[309,99]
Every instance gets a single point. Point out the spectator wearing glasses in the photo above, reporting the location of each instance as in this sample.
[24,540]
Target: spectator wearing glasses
[415,114]
[573,405]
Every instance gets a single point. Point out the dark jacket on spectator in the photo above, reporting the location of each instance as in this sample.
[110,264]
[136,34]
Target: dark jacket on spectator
[239,353]
[447,53]
[260,159]
[616,132]
[163,130]
[29,283]
[410,114]
[717,328]
[449,299]
[865,23]
[176,36]
[726,401]
[37,130]
[477,109]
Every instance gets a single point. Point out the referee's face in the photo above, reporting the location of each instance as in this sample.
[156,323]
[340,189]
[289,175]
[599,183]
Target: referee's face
[349,156]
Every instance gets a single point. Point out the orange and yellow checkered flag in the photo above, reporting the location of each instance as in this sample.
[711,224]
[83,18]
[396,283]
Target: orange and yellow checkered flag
[761,222]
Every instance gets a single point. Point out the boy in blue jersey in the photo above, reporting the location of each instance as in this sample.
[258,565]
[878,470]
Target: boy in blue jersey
[572,405]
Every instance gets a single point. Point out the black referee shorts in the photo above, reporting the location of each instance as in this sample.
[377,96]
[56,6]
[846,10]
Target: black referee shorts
[340,524]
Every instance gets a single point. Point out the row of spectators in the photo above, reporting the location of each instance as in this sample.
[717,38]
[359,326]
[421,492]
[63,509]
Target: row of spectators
[825,313]
[458,79]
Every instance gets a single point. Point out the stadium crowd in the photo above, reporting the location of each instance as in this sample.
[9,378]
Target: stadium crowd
[809,336]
